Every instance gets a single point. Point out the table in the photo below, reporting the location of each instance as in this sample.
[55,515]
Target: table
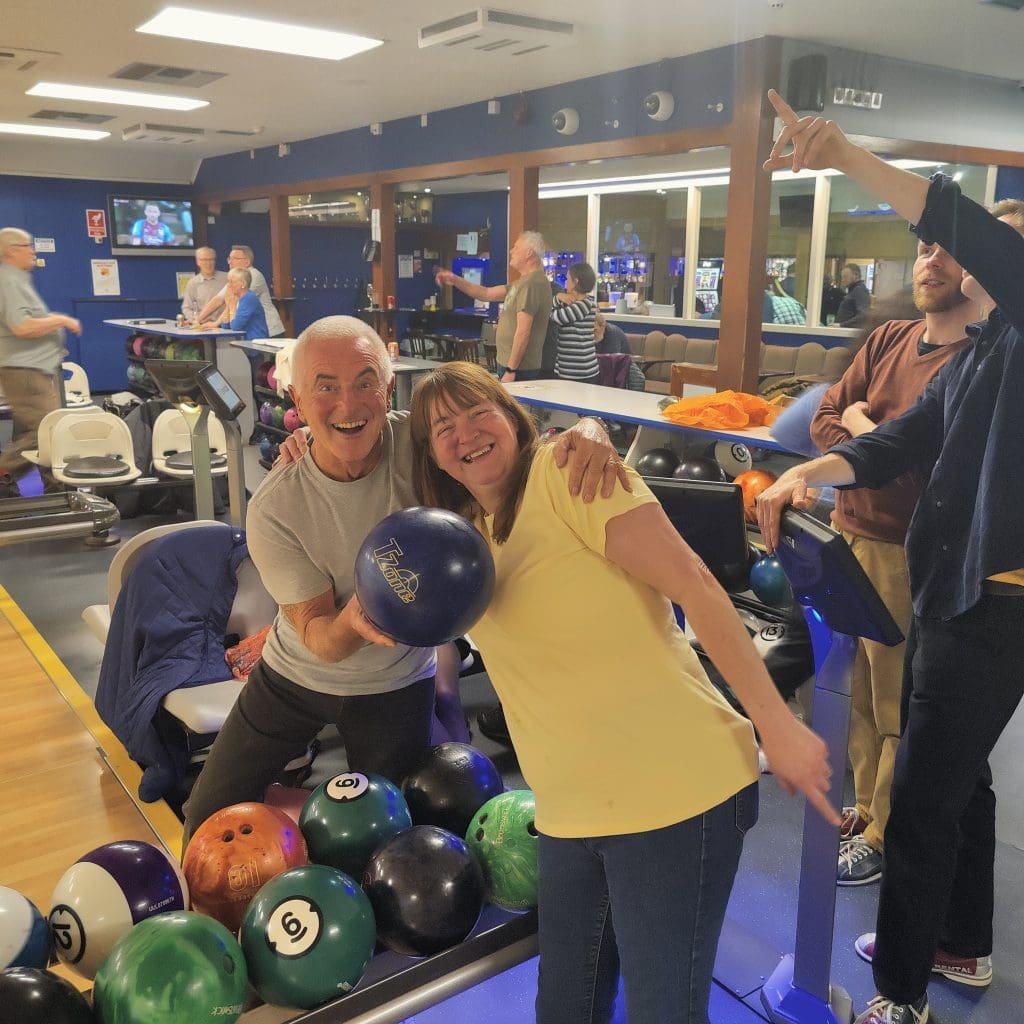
[639,407]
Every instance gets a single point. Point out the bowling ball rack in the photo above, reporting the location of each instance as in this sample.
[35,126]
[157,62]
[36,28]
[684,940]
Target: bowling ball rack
[396,987]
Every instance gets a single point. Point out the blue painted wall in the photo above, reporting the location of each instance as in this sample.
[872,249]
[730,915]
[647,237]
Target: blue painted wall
[1010,183]
[55,208]
[609,106]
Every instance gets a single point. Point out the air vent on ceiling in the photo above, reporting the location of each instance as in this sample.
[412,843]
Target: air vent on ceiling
[238,131]
[12,59]
[489,30]
[168,134]
[161,75]
[78,116]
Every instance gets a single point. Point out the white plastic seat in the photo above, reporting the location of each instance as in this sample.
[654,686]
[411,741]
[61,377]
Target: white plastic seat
[76,385]
[171,436]
[41,455]
[92,448]
[200,709]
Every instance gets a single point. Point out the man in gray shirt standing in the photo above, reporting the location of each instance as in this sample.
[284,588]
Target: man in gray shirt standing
[31,348]
[208,282]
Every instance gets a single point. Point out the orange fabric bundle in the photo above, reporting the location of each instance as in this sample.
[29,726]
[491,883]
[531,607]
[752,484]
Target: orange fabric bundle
[724,410]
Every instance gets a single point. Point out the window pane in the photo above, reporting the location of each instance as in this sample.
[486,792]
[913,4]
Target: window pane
[563,223]
[789,247]
[711,250]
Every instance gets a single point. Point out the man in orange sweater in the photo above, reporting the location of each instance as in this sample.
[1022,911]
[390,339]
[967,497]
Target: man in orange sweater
[884,379]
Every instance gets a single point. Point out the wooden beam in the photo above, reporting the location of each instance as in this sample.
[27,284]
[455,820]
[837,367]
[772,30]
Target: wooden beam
[382,197]
[758,66]
[281,261]
[522,205]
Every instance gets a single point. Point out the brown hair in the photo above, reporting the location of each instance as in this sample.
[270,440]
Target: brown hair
[1012,208]
[457,386]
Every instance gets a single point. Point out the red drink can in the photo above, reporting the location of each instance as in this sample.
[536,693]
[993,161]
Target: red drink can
[391,302]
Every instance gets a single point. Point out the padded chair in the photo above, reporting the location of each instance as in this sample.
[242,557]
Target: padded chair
[41,455]
[92,448]
[201,710]
[76,385]
[172,445]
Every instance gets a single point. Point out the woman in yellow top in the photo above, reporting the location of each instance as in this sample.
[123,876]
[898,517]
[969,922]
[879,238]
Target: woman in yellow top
[645,778]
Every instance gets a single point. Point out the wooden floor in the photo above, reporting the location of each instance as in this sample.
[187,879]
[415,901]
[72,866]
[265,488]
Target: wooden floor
[66,783]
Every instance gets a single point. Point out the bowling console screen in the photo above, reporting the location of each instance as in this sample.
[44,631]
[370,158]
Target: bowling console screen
[150,226]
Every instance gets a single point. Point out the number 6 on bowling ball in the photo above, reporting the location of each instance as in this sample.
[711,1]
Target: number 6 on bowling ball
[424,576]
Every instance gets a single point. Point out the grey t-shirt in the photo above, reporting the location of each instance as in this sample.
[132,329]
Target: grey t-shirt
[303,531]
[18,302]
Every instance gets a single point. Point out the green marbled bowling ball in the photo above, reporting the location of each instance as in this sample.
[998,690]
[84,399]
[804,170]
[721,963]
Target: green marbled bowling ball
[174,968]
[503,836]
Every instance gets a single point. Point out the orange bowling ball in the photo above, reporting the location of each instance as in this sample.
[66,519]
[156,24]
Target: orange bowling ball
[234,852]
[752,483]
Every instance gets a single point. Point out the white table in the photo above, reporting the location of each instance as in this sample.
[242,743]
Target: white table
[569,399]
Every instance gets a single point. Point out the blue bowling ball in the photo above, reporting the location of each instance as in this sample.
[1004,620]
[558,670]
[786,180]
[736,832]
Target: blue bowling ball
[769,583]
[24,935]
[424,576]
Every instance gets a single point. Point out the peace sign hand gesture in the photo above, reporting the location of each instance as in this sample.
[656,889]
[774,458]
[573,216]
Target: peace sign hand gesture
[817,143]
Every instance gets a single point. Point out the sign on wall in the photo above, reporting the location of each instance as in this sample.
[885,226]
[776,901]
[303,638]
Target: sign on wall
[96,222]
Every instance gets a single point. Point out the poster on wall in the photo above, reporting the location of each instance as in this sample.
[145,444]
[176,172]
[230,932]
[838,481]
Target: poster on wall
[183,277]
[96,222]
[105,278]
[404,266]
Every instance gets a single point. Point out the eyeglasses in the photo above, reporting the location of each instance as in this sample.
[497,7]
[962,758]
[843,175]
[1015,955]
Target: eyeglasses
[22,245]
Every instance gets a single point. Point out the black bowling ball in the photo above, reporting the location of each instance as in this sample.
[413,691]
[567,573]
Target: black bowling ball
[32,996]
[426,889]
[657,462]
[450,785]
[699,468]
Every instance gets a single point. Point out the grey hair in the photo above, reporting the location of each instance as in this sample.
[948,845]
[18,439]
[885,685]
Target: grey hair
[12,236]
[207,248]
[241,274]
[245,250]
[535,243]
[339,329]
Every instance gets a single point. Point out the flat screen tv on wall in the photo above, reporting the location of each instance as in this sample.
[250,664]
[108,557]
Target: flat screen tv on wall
[150,226]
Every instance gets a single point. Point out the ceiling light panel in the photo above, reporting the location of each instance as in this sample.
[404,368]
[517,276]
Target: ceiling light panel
[53,133]
[256,34]
[119,97]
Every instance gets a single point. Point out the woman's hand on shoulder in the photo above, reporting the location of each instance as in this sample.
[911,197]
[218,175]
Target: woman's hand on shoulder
[595,462]
[292,448]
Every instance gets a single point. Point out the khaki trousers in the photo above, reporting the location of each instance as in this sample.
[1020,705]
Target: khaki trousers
[31,394]
[875,688]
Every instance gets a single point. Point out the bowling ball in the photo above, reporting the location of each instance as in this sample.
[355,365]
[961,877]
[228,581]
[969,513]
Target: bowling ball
[31,995]
[307,936]
[173,968]
[137,343]
[424,576]
[267,449]
[733,457]
[24,937]
[657,462]
[752,483]
[503,836]
[272,378]
[169,351]
[292,421]
[267,413]
[699,468]
[769,583]
[277,415]
[426,889]
[346,818]
[105,894]
[450,785]
[234,852]
[261,373]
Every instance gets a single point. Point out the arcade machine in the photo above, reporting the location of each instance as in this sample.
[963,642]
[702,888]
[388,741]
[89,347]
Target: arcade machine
[708,275]
[196,388]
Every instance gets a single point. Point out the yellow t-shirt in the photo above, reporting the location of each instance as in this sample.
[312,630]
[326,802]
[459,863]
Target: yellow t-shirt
[615,723]
[1015,576]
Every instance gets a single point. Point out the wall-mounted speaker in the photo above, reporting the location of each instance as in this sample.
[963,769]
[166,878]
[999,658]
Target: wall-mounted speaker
[808,77]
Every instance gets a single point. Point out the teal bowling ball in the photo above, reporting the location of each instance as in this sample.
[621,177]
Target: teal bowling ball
[770,584]
[175,967]
[24,935]
[503,835]
[349,816]
[308,935]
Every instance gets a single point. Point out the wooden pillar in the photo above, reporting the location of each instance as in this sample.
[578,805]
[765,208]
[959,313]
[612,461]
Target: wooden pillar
[281,262]
[523,213]
[758,67]
[382,197]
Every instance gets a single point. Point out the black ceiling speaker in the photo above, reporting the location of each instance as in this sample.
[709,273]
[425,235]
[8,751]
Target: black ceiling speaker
[807,82]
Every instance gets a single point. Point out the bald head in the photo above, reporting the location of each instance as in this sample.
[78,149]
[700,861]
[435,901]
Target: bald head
[346,333]
[12,238]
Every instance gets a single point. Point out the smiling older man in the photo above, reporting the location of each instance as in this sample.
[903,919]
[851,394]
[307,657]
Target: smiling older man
[206,285]
[31,348]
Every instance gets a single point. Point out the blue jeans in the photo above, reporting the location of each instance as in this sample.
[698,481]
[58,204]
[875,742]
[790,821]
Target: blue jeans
[520,374]
[648,904]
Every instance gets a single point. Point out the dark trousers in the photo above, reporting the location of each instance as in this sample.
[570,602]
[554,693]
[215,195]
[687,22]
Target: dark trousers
[964,679]
[274,720]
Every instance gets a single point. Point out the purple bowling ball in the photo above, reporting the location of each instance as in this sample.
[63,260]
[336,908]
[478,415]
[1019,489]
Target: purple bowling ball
[267,413]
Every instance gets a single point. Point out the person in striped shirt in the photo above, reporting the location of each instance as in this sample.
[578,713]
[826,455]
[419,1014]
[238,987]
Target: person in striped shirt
[575,310]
